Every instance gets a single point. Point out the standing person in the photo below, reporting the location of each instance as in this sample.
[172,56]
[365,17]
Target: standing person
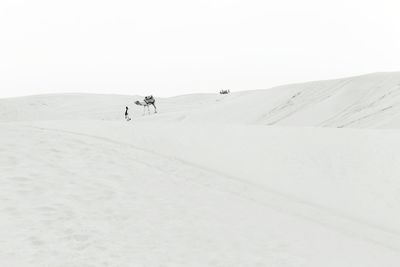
[126,114]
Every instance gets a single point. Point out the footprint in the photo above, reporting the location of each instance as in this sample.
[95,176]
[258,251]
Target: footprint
[36,242]
[21,179]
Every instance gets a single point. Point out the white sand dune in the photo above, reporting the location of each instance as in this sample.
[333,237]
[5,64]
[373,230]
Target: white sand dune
[212,180]
[369,101]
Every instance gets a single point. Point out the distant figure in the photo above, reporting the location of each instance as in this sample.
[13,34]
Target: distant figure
[127,114]
[224,92]
[148,100]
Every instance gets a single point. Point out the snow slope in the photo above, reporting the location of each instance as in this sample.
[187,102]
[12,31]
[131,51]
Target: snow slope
[207,182]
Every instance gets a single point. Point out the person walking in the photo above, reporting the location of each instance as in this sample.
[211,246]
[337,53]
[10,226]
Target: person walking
[127,114]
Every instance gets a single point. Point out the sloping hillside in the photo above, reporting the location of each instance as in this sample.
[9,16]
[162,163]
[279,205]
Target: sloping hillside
[369,101]
[211,180]
[93,106]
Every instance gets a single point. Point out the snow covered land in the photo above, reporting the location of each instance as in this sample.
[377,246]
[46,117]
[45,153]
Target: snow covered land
[299,175]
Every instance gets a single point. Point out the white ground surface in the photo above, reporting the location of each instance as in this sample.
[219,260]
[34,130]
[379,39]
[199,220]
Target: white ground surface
[207,181]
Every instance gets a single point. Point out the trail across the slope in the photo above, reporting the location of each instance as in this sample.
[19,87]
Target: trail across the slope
[286,204]
[72,199]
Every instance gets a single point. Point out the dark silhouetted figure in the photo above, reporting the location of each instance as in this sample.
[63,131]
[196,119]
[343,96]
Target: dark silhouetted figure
[127,114]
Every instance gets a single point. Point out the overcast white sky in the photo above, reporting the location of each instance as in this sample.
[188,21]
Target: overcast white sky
[181,46]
